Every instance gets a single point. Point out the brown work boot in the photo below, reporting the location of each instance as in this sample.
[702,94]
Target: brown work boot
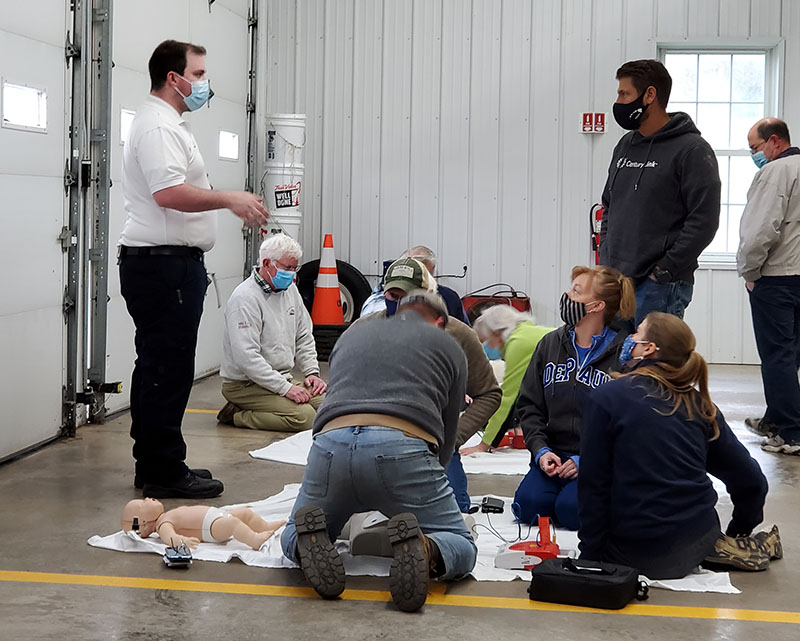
[415,558]
[771,542]
[225,415]
[742,552]
[316,555]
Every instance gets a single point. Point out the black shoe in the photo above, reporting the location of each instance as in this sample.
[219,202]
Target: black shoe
[190,486]
[315,553]
[225,415]
[410,569]
[203,473]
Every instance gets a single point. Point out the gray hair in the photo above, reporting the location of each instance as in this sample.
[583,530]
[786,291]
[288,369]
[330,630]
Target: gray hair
[276,246]
[422,254]
[499,318]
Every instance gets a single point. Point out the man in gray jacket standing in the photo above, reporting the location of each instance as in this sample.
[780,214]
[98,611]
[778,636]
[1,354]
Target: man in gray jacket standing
[769,261]
[382,438]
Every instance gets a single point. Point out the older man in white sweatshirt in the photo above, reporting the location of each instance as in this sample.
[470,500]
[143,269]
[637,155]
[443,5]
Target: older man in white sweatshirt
[268,333]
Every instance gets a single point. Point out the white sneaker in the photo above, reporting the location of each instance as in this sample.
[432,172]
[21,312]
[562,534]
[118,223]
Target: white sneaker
[779,446]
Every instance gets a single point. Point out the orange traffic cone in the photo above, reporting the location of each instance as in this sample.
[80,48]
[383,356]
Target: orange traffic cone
[327,307]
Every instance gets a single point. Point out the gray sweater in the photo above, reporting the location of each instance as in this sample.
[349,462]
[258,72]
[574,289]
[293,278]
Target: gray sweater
[403,367]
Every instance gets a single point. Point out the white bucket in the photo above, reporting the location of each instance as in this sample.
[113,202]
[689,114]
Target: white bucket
[288,222]
[282,188]
[286,137]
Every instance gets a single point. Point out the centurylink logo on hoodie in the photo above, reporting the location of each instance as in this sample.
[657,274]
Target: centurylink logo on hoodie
[633,164]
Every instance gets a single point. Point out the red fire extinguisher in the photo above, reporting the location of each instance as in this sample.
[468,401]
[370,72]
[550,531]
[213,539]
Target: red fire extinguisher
[595,223]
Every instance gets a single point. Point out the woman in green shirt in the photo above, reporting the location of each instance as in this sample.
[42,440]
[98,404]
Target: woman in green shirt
[513,333]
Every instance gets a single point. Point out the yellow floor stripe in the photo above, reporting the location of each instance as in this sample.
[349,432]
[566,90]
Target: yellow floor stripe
[202,411]
[436,597]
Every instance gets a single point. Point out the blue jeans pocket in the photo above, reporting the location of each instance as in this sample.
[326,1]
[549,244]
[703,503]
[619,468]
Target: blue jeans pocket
[318,471]
[410,477]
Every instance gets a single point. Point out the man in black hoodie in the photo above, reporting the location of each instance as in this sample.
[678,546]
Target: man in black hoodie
[662,195]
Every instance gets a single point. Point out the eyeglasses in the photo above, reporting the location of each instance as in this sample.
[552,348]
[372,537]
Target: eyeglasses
[288,268]
[754,149]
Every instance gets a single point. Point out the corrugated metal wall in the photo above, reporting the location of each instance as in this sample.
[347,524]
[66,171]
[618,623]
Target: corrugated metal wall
[454,123]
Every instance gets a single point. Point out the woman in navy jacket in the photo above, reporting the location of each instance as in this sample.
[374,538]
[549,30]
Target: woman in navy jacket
[650,440]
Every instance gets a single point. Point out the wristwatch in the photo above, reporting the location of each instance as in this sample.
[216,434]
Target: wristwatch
[662,276]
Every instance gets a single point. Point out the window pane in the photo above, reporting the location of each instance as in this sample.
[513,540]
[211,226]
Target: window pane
[742,171]
[715,78]
[734,216]
[688,107]
[683,69]
[723,162]
[125,120]
[720,242]
[228,145]
[748,77]
[713,122]
[24,106]
[744,116]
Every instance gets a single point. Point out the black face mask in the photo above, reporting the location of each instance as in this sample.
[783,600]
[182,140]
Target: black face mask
[629,116]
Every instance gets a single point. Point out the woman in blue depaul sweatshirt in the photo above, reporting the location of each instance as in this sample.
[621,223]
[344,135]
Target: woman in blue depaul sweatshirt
[650,440]
[566,365]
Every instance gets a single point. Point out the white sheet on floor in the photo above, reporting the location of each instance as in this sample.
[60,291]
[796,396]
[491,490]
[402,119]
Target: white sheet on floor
[295,448]
[279,507]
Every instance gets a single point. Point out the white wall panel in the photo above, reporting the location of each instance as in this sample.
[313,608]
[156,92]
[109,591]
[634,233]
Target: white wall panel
[32,212]
[462,119]
[138,28]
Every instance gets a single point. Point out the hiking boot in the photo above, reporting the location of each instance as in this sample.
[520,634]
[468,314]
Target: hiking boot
[760,426]
[771,542]
[742,552]
[225,415]
[778,445]
[415,560]
[203,473]
[316,555]
[191,486]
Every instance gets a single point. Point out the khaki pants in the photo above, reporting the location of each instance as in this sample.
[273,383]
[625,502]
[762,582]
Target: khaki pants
[264,410]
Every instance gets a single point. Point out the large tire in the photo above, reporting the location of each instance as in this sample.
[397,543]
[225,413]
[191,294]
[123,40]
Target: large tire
[353,286]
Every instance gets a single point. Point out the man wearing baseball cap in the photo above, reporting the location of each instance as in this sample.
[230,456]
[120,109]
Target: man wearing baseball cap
[381,438]
[409,274]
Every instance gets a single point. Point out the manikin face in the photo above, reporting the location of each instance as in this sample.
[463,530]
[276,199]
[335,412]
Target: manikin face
[148,511]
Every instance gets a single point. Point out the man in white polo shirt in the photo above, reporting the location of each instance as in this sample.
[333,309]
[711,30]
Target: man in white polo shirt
[171,222]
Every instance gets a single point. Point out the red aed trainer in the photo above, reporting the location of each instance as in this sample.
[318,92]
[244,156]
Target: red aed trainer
[526,554]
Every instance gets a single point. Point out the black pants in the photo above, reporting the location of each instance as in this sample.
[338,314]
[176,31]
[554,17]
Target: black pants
[775,306]
[164,296]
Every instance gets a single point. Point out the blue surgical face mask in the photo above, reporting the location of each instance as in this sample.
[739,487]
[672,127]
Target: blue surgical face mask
[282,279]
[759,159]
[493,353]
[201,93]
[626,353]
[391,307]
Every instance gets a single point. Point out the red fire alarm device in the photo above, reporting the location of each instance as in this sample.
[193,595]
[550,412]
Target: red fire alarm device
[599,123]
[588,123]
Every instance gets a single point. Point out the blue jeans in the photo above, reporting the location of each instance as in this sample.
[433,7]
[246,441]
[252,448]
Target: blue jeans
[542,495]
[358,469]
[775,306]
[670,298]
[458,481]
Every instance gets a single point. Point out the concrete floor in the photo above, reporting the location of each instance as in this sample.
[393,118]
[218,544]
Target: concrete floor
[54,499]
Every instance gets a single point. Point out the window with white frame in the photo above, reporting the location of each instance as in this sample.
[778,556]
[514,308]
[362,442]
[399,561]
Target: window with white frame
[725,92]
[125,120]
[24,107]
[228,145]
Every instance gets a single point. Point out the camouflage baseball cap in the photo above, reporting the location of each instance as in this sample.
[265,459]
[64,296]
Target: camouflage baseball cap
[405,274]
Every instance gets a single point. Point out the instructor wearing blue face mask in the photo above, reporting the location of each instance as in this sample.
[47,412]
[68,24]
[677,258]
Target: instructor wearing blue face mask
[171,221]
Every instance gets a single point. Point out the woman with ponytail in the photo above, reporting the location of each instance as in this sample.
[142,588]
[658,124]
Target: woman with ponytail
[568,363]
[650,439]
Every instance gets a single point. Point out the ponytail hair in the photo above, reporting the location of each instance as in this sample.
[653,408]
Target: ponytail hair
[682,374]
[611,287]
